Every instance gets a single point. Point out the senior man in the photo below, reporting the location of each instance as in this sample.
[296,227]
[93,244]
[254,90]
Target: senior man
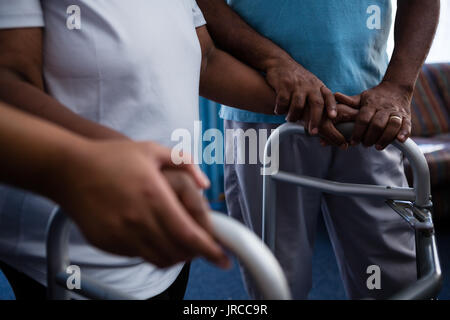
[307,50]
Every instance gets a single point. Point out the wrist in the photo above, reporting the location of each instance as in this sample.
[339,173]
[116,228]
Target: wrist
[65,167]
[405,87]
[400,75]
[276,59]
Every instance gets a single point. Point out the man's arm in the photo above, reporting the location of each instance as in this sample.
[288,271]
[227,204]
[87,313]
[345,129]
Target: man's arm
[22,85]
[296,88]
[385,112]
[226,80]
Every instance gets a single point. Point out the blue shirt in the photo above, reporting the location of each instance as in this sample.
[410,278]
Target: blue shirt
[338,41]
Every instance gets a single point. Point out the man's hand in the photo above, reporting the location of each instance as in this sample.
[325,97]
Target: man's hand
[299,90]
[385,114]
[385,109]
[129,199]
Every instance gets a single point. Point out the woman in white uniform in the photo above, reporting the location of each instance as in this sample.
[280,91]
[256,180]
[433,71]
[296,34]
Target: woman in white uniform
[110,70]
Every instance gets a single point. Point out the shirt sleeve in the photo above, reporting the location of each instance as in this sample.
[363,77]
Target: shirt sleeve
[21,14]
[197,14]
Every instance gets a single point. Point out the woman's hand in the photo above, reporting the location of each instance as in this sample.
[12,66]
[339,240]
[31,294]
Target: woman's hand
[129,198]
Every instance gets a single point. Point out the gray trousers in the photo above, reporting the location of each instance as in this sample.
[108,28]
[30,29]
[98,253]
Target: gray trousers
[363,231]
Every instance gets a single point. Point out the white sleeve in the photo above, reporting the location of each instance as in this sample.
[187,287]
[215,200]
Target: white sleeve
[20,14]
[197,14]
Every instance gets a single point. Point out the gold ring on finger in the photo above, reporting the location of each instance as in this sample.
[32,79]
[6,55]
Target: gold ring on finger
[397,118]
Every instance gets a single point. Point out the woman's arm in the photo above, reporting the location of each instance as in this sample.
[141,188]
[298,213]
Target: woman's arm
[22,85]
[227,80]
[125,196]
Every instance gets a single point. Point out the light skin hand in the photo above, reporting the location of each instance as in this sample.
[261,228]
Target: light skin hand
[385,115]
[190,194]
[140,210]
[299,90]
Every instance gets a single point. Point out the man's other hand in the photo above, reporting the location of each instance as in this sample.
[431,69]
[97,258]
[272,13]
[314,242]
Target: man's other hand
[385,114]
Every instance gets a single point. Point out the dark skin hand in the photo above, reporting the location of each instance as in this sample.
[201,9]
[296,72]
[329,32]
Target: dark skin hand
[385,110]
[384,113]
[226,80]
[297,89]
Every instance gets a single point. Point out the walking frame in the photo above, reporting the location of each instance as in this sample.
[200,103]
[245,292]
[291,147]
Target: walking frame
[248,248]
[413,204]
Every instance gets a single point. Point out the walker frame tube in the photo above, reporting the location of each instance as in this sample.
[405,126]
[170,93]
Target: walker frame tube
[248,248]
[413,204]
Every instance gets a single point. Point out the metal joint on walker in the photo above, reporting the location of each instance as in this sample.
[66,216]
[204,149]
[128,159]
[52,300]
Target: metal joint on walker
[419,218]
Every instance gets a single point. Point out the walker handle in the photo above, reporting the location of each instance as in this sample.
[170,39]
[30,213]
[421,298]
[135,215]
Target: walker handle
[421,174]
[249,249]
[428,267]
[421,193]
[346,129]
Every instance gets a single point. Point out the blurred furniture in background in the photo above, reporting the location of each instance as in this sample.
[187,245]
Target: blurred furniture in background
[431,131]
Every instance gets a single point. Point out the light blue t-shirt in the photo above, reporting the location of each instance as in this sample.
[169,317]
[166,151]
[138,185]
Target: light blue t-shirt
[342,42]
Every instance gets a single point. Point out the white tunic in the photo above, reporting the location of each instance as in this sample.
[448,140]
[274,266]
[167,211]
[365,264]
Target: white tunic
[133,66]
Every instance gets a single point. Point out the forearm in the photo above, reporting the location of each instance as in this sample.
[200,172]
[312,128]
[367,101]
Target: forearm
[22,85]
[228,81]
[232,34]
[415,26]
[33,152]
[29,98]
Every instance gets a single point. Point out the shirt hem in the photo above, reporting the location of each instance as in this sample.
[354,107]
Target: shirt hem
[18,21]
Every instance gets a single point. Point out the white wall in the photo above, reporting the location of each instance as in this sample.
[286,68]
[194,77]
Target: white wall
[440,50]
